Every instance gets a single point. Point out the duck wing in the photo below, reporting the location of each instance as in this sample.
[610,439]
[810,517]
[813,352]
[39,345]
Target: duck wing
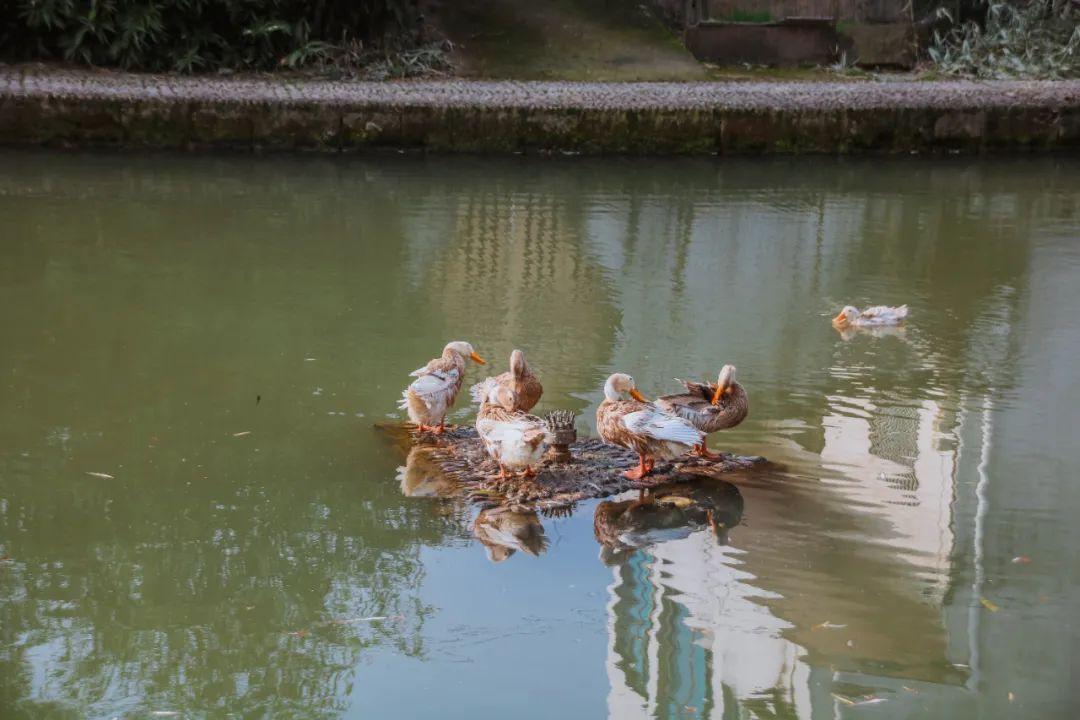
[659,425]
[432,387]
[481,390]
[703,390]
[688,406]
[884,313]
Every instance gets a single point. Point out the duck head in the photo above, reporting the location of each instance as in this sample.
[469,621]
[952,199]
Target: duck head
[724,381]
[465,350]
[620,383]
[846,317]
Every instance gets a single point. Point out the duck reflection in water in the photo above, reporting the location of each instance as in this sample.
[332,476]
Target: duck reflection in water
[503,532]
[877,331]
[669,512]
[421,476]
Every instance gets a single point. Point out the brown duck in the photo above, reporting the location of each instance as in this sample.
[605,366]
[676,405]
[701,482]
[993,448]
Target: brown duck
[641,426]
[520,378]
[709,407]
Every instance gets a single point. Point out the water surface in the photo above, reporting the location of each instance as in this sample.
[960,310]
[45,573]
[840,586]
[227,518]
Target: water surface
[216,339]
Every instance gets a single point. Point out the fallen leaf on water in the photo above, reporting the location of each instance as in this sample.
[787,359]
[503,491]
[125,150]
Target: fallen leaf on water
[828,626]
[104,476]
[989,605]
[1021,560]
[242,433]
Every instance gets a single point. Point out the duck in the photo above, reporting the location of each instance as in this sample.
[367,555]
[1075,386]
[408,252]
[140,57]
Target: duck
[877,315]
[432,394]
[516,440]
[520,378]
[641,426]
[709,407]
[503,532]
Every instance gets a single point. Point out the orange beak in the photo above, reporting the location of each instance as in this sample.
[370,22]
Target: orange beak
[720,390]
[840,319]
[477,359]
[637,395]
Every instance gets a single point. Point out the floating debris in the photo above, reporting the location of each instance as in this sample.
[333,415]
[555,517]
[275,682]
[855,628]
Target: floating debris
[828,626]
[297,633]
[103,476]
[241,433]
[1021,560]
[989,605]
[1012,696]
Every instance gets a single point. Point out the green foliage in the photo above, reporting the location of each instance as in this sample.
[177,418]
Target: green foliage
[1036,39]
[202,35]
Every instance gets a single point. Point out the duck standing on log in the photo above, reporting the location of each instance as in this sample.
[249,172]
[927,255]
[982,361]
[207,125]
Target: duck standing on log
[709,407]
[520,378]
[432,394]
[642,427]
[514,439]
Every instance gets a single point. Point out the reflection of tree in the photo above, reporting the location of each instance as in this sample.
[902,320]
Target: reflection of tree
[192,610]
[144,321]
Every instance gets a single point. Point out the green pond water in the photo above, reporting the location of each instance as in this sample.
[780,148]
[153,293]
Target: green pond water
[200,519]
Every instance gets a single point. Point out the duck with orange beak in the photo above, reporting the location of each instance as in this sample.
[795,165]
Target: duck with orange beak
[709,407]
[852,317]
[432,394]
[641,426]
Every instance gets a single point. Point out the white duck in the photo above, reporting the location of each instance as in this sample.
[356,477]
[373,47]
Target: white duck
[871,316]
[432,394]
[515,439]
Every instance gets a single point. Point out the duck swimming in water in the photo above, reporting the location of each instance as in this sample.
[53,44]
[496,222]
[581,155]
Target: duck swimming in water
[642,427]
[709,407]
[432,394]
[871,316]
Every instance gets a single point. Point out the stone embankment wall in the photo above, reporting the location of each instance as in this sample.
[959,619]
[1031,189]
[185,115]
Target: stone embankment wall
[74,108]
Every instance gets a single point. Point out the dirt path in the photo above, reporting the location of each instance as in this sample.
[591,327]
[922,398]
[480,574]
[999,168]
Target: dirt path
[602,40]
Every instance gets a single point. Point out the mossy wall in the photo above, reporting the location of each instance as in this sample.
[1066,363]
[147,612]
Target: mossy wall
[314,126]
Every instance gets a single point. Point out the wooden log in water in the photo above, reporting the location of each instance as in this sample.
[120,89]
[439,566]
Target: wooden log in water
[457,464]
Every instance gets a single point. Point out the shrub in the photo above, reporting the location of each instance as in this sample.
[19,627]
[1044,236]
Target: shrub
[1036,39]
[201,35]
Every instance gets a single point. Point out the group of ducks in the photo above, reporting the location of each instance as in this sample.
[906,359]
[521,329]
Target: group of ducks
[665,429]
[670,427]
